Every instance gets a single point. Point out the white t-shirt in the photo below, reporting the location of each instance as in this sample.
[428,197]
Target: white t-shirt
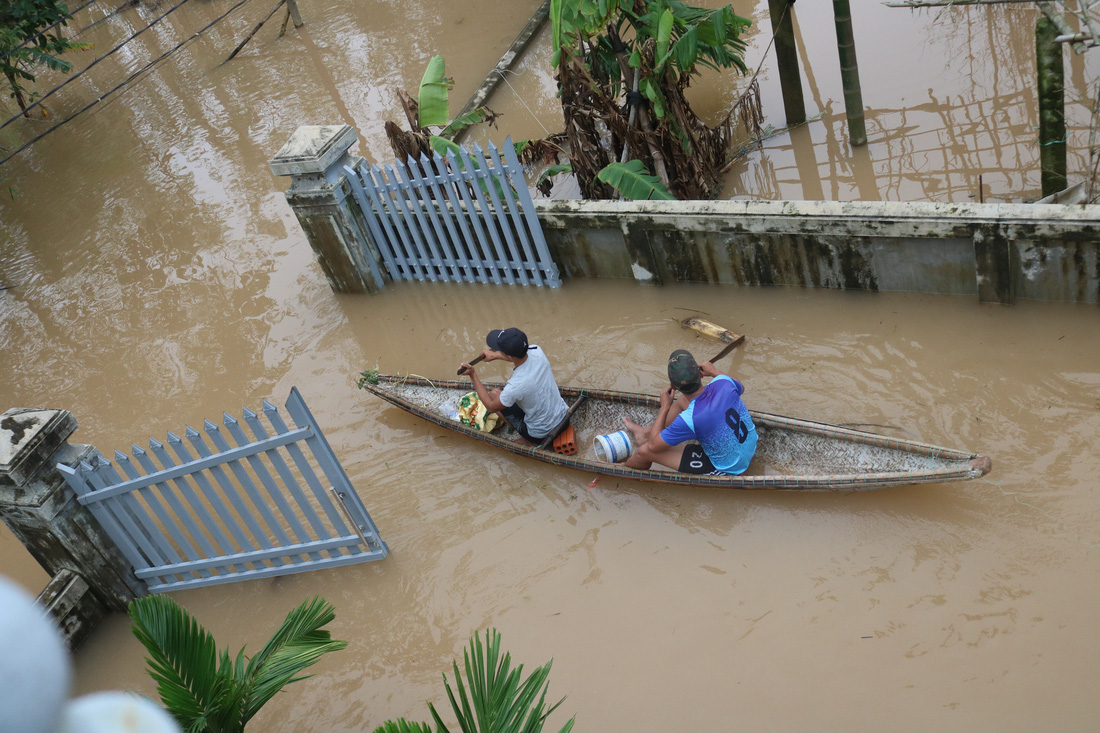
[533,388]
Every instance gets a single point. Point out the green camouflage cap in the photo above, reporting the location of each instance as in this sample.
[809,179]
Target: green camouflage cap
[683,372]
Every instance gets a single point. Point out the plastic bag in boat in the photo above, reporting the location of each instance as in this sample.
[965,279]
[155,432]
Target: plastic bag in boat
[472,412]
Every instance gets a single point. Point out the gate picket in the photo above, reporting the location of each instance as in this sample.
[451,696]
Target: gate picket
[287,476]
[455,218]
[269,485]
[306,471]
[166,519]
[180,529]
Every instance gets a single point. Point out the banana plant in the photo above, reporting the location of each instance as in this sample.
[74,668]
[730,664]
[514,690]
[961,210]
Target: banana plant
[433,100]
[431,108]
[644,53]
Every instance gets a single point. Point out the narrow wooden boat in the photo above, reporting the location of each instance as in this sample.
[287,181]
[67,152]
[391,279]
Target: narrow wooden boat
[790,454]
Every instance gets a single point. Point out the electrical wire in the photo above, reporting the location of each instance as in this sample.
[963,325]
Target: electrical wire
[83,71]
[127,81]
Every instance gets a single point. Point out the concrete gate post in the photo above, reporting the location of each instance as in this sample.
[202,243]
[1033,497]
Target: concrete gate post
[90,575]
[320,196]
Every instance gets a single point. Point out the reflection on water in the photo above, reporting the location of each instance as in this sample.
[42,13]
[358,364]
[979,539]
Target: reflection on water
[156,277]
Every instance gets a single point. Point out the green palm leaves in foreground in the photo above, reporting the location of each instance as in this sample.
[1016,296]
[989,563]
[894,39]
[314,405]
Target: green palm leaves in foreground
[497,700]
[210,691]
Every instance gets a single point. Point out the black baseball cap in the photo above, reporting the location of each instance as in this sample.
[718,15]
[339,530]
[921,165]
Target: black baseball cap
[683,372]
[510,341]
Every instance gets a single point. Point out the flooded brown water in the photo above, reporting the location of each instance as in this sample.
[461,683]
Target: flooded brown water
[156,277]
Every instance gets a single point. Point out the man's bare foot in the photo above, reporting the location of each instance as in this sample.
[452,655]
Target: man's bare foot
[640,434]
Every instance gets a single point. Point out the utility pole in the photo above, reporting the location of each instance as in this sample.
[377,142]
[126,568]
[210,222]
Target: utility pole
[849,73]
[786,57]
[1052,109]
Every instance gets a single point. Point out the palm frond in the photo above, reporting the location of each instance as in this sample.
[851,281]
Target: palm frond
[403,726]
[183,663]
[498,699]
[298,643]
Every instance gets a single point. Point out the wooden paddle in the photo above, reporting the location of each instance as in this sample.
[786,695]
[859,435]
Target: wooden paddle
[481,357]
[729,347]
[561,424]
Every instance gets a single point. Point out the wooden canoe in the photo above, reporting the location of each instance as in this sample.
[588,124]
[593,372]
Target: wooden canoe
[790,454]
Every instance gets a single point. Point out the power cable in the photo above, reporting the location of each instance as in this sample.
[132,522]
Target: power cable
[83,71]
[46,30]
[128,80]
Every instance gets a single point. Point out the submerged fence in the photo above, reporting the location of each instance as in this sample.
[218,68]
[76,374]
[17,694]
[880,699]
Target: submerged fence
[464,217]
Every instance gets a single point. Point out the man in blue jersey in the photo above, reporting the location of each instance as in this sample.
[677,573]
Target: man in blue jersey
[713,415]
[530,401]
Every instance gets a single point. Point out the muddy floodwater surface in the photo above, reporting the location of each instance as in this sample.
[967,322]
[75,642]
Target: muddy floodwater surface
[155,277]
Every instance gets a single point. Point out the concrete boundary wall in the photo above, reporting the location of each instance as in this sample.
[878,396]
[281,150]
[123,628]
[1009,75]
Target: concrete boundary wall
[999,252]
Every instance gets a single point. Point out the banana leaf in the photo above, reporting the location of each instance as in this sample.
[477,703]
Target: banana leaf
[459,124]
[553,171]
[664,34]
[435,108]
[634,182]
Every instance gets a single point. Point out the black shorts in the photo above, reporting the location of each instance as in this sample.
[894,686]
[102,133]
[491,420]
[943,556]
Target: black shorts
[515,417]
[696,461]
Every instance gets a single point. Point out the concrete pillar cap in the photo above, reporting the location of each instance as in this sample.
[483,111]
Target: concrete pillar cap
[26,433]
[313,149]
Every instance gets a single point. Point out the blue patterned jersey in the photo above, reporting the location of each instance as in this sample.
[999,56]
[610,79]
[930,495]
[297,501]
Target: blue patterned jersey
[721,423]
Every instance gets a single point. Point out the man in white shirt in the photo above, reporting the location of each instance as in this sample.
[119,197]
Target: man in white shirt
[530,400]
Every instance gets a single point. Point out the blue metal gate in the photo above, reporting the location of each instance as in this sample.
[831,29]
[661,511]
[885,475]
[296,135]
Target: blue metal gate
[456,219]
[274,504]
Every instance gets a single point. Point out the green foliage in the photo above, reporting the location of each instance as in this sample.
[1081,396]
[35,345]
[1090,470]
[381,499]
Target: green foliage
[403,726]
[699,36]
[550,172]
[634,182]
[686,35]
[494,698]
[435,108]
[369,376]
[573,20]
[442,146]
[685,38]
[469,119]
[205,690]
[29,22]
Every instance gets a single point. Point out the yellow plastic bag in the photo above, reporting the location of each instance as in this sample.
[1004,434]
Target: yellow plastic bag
[472,412]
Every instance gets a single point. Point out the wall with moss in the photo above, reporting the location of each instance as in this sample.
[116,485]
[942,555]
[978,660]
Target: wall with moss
[998,252]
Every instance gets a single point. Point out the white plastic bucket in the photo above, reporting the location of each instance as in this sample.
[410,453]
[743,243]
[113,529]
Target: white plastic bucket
[613,448]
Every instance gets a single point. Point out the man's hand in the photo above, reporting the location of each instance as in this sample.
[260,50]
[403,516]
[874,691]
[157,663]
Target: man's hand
[667,395]
[464,369]
[707,370]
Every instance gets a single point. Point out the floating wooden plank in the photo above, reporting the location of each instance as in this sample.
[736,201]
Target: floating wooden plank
[712,330]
